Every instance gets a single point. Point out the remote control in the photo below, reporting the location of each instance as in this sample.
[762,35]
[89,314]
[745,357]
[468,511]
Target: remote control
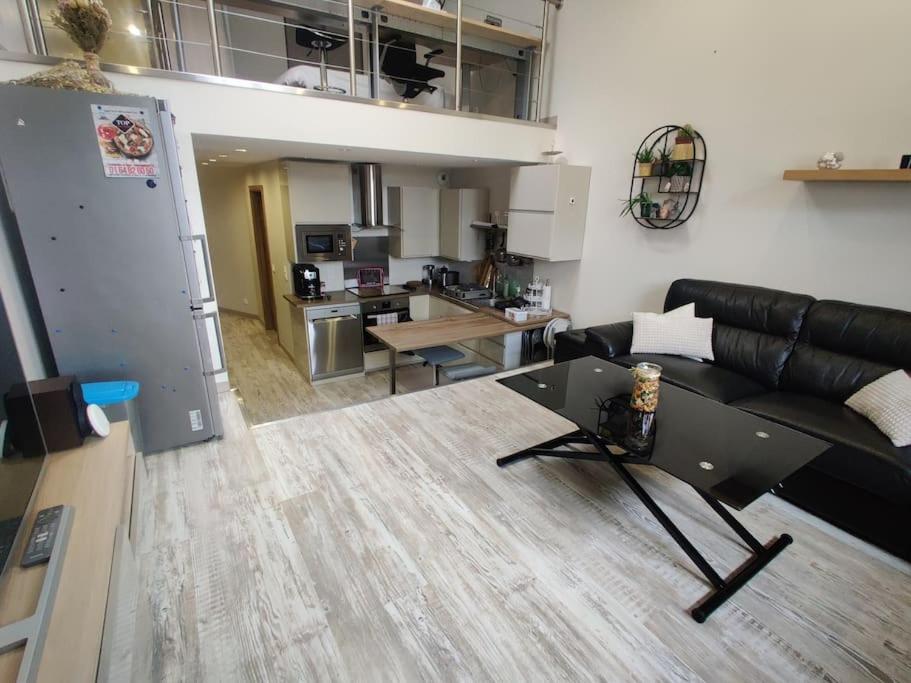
[41,540]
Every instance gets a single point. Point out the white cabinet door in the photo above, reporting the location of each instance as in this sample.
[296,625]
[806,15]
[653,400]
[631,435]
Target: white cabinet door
[449,224]
[416,212]
[533,188]
[458,208]
[530,234]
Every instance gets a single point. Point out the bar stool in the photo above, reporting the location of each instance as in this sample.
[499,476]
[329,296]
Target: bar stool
[435,356]
[324,42]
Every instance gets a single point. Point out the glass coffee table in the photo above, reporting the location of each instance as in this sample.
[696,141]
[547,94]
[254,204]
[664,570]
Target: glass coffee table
[727,455]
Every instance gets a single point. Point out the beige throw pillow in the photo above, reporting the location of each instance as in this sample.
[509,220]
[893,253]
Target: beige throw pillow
[675,333]
[887,404]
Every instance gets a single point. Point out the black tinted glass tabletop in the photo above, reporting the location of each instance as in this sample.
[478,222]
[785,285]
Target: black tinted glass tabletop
[728,453]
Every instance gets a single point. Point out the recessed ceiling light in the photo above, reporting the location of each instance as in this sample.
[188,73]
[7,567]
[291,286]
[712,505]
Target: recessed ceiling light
[240,149]
[205,163]
[222,156]
[213,160]
[133,29]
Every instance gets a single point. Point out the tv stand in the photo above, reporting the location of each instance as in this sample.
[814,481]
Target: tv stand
[31,631]
[97,481]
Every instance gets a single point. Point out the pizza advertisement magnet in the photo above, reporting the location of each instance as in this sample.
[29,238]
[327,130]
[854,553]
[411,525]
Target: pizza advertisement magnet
[125,141]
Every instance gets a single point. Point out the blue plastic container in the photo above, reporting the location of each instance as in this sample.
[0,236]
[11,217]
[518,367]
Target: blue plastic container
[107,393]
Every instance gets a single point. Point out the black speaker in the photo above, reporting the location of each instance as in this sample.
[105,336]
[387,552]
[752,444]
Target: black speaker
[60,409]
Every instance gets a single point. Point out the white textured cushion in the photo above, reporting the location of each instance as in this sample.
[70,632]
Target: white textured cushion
[674,335]
[887,404]
[685,311]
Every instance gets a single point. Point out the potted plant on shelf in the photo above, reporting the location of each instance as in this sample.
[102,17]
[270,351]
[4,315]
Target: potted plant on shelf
[643,200]
[663,165]
[679,175]
[646,158]
[683,144]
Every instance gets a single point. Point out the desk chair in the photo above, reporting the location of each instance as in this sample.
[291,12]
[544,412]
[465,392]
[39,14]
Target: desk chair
[400,65]
[324,42]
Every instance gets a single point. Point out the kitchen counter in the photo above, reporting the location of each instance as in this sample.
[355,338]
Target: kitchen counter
[346,297]
[491,311]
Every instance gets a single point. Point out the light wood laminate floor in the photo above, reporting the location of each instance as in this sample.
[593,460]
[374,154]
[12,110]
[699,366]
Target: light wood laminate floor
[381,542]
[271,387]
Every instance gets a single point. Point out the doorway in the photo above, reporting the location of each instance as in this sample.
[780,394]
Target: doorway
[263,260]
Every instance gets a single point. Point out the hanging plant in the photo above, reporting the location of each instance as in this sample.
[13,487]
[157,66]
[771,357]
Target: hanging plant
[87,23]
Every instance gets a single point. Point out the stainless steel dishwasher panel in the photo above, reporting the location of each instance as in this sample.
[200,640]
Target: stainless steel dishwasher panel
[336,341]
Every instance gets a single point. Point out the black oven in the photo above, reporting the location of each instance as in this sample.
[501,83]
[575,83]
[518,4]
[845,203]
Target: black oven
[322,242]
[382,312]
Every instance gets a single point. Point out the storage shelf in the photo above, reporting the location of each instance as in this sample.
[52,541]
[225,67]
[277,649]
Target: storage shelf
[447,20]
[850,175]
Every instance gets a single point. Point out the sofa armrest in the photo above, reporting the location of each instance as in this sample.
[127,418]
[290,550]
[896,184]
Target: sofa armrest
[610,341]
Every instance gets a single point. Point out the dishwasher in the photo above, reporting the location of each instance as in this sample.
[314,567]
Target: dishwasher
[335,341]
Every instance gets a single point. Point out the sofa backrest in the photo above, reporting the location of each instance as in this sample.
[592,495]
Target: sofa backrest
[843,347]
[755,329]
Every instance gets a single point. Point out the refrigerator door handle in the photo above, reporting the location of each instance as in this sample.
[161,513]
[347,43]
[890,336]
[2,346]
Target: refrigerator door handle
[204,334]
[210,284]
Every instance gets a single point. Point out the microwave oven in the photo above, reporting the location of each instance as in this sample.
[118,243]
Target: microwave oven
[322,242]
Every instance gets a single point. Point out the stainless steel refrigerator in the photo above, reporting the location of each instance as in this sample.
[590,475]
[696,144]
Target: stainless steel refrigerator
[94,184]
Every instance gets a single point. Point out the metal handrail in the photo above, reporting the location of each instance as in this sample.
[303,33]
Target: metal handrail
[530,64]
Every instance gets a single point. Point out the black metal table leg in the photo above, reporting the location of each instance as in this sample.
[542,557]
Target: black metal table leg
[547,448]
[724,588]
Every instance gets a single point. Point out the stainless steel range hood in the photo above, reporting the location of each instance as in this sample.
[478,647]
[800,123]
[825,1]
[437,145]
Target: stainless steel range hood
[368,196]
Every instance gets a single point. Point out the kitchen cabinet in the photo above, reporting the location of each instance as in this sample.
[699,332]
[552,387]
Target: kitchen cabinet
[440,308]
[547,211]
[415,211]
[458,208]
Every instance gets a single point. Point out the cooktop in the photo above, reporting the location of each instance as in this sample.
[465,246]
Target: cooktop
[367,292]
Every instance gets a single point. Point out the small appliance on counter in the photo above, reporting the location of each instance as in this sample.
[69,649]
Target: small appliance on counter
[448,277]
[370,277]
[427,274]
[306,281]
[467,292]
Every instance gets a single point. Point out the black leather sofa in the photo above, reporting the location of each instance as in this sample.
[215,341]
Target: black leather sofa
[794,360]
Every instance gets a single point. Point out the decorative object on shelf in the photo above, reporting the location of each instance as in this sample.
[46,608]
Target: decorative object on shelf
[683,143]
[668,209]
[670,174]
[906,161]
[87,23]
[645,159]
[643,200]
[831,160]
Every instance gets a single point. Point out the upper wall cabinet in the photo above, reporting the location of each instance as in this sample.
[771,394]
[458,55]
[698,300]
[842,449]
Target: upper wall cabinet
[458,208]
[416,213]
[547,209]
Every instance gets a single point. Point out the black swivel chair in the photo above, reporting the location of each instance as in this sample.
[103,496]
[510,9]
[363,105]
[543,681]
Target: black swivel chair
[324,42]
[400,65]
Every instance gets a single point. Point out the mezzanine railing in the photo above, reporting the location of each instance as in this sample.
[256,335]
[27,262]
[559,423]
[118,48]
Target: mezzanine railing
[488,55]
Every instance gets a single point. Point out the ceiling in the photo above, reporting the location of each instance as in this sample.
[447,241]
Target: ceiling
[223,149]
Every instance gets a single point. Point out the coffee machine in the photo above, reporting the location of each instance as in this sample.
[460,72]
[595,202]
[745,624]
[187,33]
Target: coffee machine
[306,281]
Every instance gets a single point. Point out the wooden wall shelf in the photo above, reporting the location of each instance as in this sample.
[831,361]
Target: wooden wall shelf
[447,20]
[851,175]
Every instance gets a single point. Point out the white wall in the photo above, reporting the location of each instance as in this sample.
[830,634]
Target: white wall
[226,206]
[771,86]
